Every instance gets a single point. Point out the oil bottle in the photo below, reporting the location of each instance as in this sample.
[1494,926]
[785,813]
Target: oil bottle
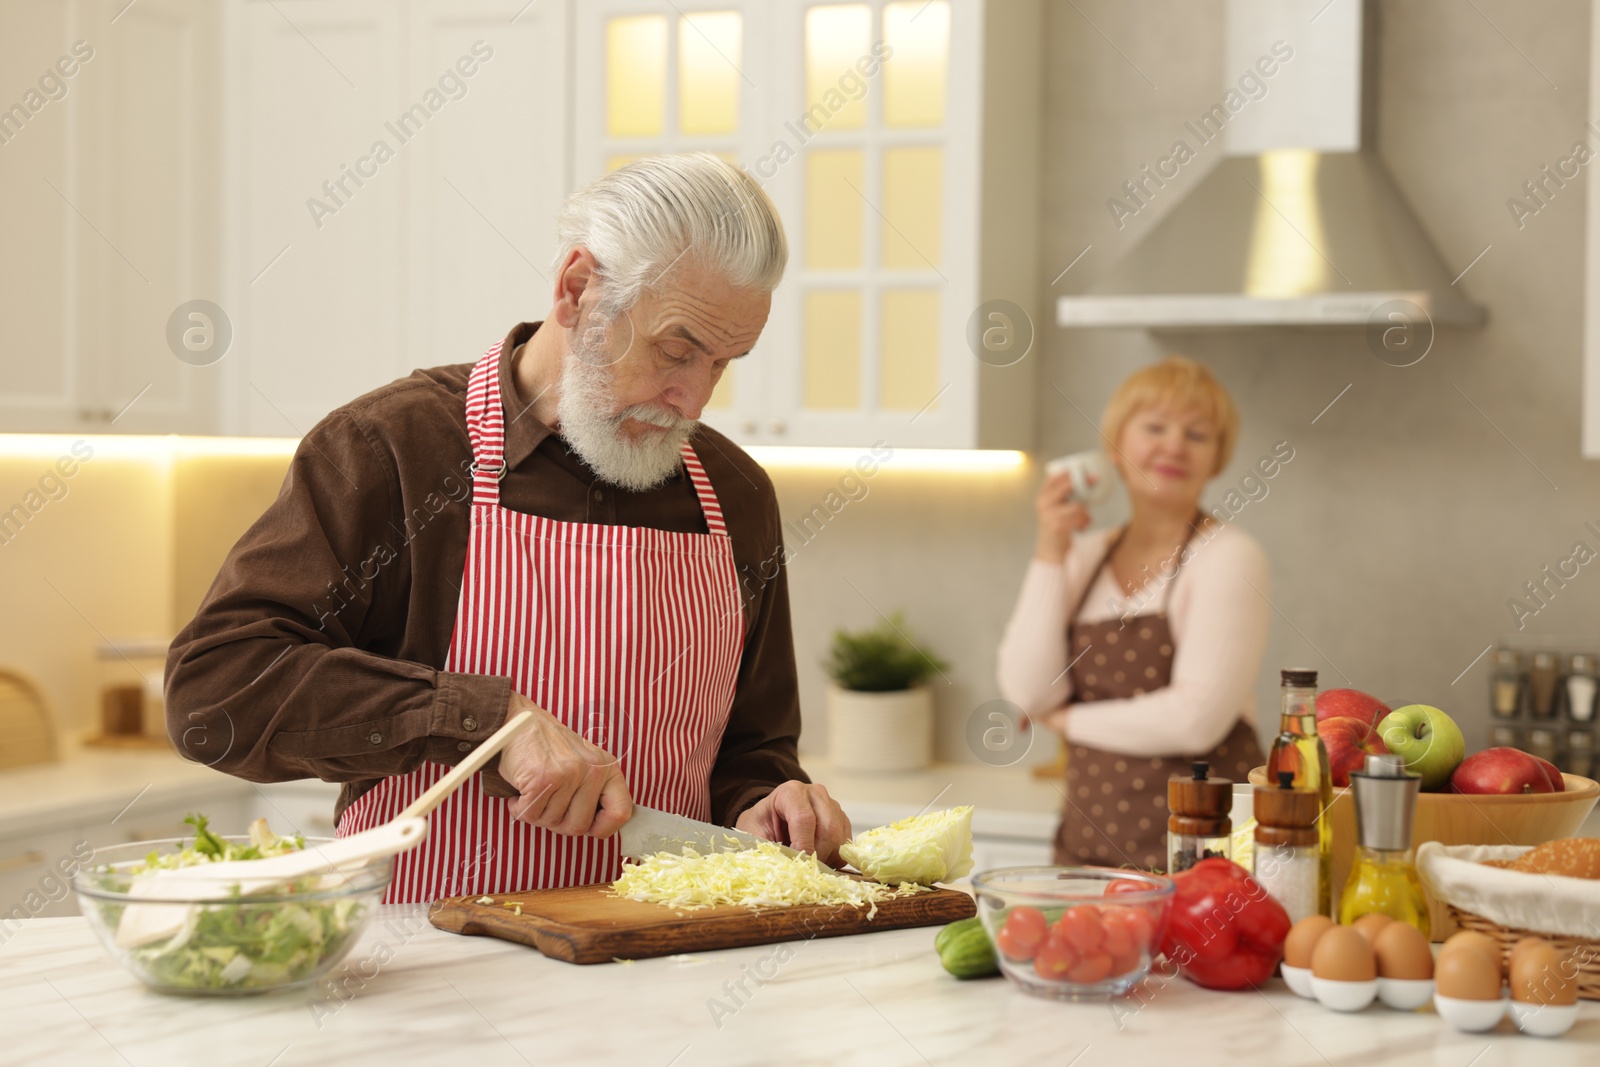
[1299,749]
[1383,877]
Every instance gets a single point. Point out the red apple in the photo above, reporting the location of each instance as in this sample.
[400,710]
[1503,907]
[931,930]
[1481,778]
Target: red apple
[1349,742]
[1501,771]
[1349,704]
[1557,780]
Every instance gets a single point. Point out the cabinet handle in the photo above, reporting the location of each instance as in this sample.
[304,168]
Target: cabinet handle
[749,426]
[31,858]
[779,426]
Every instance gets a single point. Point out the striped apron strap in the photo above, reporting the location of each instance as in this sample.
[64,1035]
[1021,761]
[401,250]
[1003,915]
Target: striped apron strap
[486,426]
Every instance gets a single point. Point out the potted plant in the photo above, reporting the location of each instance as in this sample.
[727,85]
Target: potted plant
[880,709]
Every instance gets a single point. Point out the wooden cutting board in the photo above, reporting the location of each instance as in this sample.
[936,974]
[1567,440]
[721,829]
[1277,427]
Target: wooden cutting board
[586,924]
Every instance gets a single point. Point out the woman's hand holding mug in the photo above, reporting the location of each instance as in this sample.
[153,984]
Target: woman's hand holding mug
[1070,484]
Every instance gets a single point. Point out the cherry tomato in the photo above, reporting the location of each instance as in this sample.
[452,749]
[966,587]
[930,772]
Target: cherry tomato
[1119,934]
[1019,938]
[1054,959]
[1141,924]
[1081,925]
[1126,885]
[1121,965]
[1091,967]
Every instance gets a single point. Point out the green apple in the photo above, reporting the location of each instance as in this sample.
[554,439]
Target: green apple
[1427,739]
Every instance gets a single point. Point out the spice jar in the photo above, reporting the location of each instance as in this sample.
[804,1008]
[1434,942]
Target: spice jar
[1581,684]
[1542,685]
[1580,753]
[1505,683]
[1198,822]
[1286,858]
[1542,743]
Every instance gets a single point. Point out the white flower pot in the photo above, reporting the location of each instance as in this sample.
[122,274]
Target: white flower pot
[880,731]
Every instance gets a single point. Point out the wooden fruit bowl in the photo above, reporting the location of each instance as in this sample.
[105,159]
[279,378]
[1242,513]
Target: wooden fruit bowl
[1463,819]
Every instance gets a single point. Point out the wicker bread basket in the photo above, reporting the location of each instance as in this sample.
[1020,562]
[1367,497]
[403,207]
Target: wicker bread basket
[1508,905]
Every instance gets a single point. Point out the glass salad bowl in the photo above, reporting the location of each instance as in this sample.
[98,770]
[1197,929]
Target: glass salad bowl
[1073,933]
[224,943]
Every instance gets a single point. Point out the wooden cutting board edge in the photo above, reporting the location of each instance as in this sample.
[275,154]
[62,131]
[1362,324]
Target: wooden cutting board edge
[729,928]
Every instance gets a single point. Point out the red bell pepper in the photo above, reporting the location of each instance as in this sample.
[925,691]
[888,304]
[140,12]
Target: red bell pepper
[1226,931]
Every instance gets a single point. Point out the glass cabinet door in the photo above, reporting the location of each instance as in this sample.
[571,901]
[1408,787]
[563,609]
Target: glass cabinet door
[675,78]
[860,119]
[871,267]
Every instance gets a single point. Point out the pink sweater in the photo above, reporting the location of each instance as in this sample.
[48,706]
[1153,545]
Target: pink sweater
[1219,627]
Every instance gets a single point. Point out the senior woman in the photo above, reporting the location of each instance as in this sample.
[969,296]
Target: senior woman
[1140,644]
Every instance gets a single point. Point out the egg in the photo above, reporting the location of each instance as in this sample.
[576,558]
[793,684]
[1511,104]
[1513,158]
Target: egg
[1370,924]
[1303,938]
[1539,975]
[1343,955]
[1522,947]
[1483,944]
[1466,975]
[1402,952]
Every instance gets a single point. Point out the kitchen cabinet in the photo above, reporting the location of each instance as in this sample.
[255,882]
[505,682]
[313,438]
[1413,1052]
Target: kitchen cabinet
[30,863]
[363,187]
[304,807]
[112,186]
[30,876]
[394,174]
[899,141]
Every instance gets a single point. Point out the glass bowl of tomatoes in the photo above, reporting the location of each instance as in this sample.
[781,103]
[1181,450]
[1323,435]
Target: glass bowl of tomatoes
[1073,933]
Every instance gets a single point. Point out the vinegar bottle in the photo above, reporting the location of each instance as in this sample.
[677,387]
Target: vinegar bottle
[1298,749]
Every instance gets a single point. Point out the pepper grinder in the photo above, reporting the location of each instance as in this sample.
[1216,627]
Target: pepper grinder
[1199,824]
[1383,877]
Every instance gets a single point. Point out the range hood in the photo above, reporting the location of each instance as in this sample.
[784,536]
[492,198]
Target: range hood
[1299,224]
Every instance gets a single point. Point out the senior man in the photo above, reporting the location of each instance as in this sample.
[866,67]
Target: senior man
[374,624]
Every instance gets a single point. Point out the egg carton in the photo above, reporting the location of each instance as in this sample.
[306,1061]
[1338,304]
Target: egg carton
[1509,905]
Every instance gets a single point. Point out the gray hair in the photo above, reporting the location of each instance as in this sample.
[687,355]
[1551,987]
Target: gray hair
[640,219]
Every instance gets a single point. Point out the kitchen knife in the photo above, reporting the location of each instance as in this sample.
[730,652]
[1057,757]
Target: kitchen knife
[651,831]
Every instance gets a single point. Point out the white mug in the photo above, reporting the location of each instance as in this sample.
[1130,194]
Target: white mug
[1083,466]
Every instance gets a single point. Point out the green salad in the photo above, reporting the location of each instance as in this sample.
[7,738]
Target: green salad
[250,942]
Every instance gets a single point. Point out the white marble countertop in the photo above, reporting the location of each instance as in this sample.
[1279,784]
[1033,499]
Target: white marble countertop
[877,999]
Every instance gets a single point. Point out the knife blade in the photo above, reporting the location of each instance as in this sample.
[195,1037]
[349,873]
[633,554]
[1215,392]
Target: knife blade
[651,831]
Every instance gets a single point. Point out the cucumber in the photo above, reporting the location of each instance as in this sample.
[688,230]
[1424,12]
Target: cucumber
[964,949]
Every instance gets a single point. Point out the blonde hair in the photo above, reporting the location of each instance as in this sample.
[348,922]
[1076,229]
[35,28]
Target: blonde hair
[1181,383]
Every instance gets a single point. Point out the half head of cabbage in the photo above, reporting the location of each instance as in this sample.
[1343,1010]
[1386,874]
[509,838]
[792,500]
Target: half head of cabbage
[936,847]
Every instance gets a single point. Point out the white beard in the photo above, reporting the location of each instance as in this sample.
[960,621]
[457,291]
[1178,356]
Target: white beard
[597,437]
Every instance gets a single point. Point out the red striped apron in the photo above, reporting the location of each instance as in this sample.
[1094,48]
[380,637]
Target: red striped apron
[631,637]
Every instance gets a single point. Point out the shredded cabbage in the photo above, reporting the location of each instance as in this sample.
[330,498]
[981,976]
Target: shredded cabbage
[936,847]
[760,877]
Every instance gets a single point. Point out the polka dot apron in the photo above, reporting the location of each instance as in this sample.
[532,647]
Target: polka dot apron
[1116,805]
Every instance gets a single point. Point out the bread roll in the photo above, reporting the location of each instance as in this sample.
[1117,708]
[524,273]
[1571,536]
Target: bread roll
[1575,857]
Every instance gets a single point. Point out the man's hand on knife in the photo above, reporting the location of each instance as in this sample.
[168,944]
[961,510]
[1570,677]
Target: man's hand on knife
[568,785]
[802,816]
